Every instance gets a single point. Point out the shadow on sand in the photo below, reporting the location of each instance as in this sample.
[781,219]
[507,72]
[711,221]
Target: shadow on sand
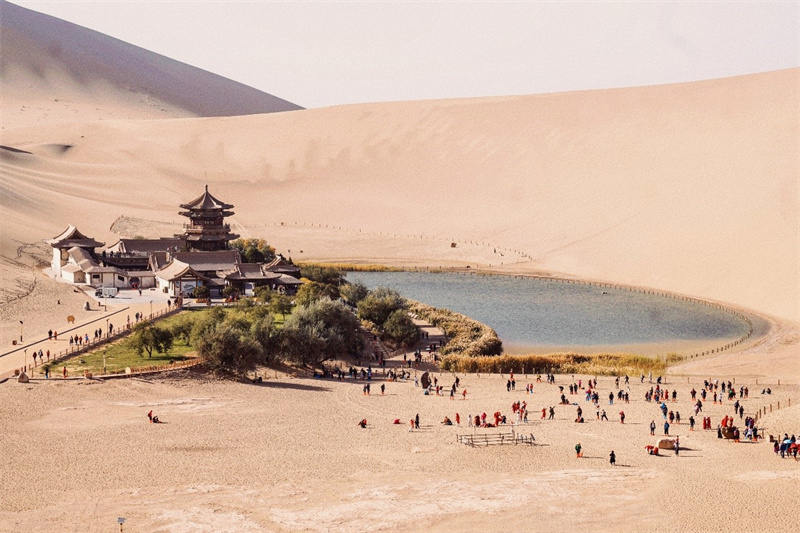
[285,385]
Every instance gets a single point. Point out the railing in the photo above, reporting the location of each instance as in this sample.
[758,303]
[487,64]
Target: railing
[108,337]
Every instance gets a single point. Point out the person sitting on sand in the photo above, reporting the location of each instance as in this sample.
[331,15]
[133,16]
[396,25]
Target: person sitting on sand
[150,416]
[363,423]
[447,421]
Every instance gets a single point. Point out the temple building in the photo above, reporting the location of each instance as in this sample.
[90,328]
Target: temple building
[206,230]
[201,256]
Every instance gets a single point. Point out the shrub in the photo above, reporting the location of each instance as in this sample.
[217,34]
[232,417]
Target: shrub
[353,292]
[146,337]
[263,293]
[323,330]
[379,304]
[254,250]
[280,304]
[312,291]
[228,348]
[201,291]
[264,332]
[230,291]
[400,328]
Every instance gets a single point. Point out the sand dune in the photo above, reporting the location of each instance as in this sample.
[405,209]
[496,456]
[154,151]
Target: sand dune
[53,70]
[688,187]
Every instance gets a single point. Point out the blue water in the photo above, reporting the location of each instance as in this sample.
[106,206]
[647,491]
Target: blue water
[533,311]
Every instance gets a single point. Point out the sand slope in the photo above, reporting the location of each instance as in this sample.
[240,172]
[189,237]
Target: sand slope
[55,70]
[690,187]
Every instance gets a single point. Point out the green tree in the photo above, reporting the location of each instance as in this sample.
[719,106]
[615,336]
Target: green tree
[264,332]
[312,291]
[254,250]
[280,304]
[263,293]
[182,326]
[323,330]
[147,337]
[400,328]
[353,292]
[379,304]
[205,324]
[227,348]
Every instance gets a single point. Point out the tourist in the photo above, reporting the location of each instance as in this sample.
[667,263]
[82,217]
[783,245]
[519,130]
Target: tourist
[416,421]
[666,428]
[49,334]
[612,458]
[578,452]
[150,415]
[64,373]
[652,427]
[691,423]
[603,415]
[622,417]
[363,423]
[677,446]
[464,394]
[383,389]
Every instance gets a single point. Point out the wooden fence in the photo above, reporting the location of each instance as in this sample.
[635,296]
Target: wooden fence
[489,439]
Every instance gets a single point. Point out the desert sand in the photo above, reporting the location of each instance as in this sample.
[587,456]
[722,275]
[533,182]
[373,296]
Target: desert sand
[689,187]
[288,456]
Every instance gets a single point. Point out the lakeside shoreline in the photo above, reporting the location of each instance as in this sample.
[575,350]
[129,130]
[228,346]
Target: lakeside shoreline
[760,324]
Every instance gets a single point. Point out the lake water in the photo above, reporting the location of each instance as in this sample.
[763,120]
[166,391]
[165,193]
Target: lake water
[542,312]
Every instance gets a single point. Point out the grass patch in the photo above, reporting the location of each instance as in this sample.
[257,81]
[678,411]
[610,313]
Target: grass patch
[118,356]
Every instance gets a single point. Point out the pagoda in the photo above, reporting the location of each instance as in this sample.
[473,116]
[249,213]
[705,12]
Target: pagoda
[207,230]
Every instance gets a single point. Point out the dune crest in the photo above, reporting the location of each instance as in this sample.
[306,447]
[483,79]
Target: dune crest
[687,187]
[53,70]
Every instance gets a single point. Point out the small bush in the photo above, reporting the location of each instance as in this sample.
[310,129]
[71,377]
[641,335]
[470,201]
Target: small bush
[379,304]
[400,328]
[353,292]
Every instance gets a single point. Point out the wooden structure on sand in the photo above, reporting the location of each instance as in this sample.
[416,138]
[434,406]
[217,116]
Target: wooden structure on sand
[488,439]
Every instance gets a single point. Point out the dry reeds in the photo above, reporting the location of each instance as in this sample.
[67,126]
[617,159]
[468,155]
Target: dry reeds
[558,363]
[465,336]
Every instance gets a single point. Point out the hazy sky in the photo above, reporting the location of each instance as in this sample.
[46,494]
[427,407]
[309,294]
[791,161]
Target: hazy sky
[318,54]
